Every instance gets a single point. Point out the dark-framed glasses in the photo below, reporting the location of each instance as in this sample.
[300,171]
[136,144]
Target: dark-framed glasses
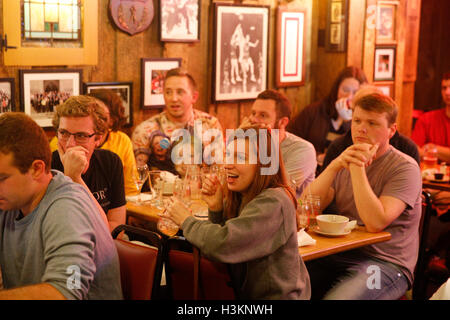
[80,137]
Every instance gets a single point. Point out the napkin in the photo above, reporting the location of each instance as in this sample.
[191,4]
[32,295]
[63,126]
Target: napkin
[304,239]
[135,198]
[168,176]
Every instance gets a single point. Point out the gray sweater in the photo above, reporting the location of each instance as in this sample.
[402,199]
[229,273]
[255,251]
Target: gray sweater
[260,245]
[63,242]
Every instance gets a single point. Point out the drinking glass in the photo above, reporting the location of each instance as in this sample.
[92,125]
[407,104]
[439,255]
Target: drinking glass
[165,225]
[156,187]
[139,179]
[314,208]
[303,210]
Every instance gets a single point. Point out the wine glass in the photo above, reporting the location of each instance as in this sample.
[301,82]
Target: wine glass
[156,187]
[139,179]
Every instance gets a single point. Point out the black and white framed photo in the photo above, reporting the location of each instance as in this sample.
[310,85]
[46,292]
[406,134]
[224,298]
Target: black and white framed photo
[123,89]
[241,51]
[42,90]
[336,27]
[180,20]
[290,65]
[153,73]
[7,96]
[384,63]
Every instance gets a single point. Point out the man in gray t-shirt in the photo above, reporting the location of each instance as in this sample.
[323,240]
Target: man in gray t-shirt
[380,187]
[273,110]
[54,243]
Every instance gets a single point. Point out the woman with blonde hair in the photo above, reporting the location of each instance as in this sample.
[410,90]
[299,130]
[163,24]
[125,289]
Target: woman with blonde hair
[252,222]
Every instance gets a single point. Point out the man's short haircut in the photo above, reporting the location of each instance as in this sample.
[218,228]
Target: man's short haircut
[446,76]
[283,107]
[79,107]
[377,102]
[180,72]
[25,139]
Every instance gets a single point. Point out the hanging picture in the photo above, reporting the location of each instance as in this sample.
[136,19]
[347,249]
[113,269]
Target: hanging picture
[42,90]
[123,89]
[7,100]
[152,80]
[385,27]
[384,63]
[290,67]
[241,51]
[180,20]
[336,28]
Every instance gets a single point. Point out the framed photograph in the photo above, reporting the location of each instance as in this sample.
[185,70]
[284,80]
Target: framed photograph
[153,73]
[290,66]
[386,87]
[336,28]
[7,96]
[42,90]
[240,51]
[180,20]
[385,27]
[123,89]
[384,63]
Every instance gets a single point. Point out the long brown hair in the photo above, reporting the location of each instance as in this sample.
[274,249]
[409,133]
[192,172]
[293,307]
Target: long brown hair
[235,200]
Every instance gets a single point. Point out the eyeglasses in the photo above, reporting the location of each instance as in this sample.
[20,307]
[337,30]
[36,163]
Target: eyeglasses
[80,137]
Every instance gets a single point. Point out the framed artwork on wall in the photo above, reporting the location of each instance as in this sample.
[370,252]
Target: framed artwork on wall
[123,89]
[387,87]
[336,28]
[386,22]
[384,63]
[290,66]
[153,72]
[7,96]
[42,90]
[240,51]
[180,20]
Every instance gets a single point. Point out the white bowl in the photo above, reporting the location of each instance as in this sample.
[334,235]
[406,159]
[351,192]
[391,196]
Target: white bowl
[332,223]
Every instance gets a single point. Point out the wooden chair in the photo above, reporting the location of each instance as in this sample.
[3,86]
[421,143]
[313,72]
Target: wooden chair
[191,277]
[140,266]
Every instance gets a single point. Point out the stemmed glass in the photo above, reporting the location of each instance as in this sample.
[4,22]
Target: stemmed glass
[165,225]
[139,179]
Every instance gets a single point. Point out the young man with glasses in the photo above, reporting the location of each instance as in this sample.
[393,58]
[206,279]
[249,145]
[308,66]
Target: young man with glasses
[80,121]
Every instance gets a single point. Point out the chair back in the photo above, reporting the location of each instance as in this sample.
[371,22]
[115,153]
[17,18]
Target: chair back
[419,273]
[191,278]
[140,266]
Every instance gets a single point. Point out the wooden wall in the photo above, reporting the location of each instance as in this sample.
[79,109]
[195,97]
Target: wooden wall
[120,54]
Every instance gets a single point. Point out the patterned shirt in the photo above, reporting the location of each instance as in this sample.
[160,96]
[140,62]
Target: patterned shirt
[161,121]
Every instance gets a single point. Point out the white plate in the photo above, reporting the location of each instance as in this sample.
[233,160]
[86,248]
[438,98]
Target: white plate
[317,230]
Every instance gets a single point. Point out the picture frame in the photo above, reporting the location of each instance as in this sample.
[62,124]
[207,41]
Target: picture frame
[180,20]
[386,22]
[123,89]
[153,72]
[241,48]
[384,63]
[336,27]
[7,95]
[291,34]
[43,89]
[387,87]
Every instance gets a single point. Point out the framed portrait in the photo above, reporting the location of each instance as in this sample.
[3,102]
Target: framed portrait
[385,25]
[153,73]
[384,63]
[123,89]
[42,90]
[7,96]
[386,87]
[336,28]
[240,51]
[290,66]
[180,20]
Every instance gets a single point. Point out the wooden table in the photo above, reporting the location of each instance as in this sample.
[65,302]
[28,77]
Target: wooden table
[443,186]
[325,246]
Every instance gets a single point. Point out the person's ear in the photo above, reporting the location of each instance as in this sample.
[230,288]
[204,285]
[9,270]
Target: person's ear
[393,129]
[194,97]
[37,169]
[283,122]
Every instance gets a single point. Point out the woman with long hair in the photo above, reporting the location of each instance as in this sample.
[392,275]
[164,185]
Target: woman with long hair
[323,121]
[252,222]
